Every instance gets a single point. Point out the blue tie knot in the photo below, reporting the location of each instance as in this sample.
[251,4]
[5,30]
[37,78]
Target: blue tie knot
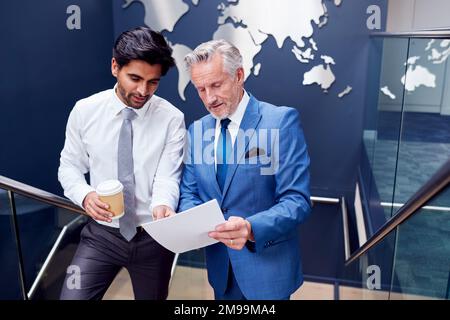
[224,123]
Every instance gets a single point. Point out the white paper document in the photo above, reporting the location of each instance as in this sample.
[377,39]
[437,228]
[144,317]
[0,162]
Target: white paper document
[187,230]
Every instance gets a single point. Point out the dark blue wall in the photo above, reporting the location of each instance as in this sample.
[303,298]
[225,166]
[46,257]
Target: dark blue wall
[45,69]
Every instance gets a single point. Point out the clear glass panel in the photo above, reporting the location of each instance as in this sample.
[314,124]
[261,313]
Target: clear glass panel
[9,271]
[40,225]
[50,284]
[383,123]
[422,259]
[371,275]
[425,136]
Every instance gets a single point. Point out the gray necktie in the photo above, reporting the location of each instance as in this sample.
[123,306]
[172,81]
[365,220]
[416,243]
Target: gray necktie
[125,171]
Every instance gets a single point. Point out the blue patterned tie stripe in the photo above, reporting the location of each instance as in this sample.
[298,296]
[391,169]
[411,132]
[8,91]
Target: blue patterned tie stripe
[223,152]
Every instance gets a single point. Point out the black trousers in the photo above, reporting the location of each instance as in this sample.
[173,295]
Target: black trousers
[102,252]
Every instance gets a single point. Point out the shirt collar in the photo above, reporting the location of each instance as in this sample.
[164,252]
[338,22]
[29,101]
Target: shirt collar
[118,105]
[237,116]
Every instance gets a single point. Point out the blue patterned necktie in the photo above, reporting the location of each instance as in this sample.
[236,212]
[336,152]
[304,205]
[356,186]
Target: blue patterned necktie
[125,172]
[223,152]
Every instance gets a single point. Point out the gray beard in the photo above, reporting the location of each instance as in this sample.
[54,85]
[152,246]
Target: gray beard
[219,117]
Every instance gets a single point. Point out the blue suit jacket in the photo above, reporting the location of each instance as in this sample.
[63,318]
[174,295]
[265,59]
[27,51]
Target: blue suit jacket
[268,184]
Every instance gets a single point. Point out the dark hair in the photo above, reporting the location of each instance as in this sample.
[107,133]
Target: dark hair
[143,43]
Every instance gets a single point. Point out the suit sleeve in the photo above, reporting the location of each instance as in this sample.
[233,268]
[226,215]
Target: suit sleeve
[291,185]
[189,195]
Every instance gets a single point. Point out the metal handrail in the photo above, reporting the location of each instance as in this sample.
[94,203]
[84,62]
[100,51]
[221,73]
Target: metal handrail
[431,208]
[429,190]
[38,194]
[442,33]
[324,200]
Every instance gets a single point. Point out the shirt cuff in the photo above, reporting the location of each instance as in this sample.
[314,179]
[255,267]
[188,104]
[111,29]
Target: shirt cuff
[162,202]
[80,193]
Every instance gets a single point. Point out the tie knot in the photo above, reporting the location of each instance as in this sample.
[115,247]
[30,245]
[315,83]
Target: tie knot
[128,114]
[224,123]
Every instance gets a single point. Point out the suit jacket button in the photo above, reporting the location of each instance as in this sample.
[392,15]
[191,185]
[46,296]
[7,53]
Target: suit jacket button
[224,210]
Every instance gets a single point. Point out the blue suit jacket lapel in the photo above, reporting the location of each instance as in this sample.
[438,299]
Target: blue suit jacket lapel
[210,124]
[249,121]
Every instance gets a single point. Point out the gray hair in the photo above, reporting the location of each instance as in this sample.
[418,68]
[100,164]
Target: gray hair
[232,59]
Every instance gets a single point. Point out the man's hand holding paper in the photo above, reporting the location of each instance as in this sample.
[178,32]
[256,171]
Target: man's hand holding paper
[234,233]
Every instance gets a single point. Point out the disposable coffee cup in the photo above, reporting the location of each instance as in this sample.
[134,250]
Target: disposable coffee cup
[111,192]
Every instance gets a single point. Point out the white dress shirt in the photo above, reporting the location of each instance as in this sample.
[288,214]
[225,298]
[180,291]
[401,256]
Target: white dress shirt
[92,136]
[235,123]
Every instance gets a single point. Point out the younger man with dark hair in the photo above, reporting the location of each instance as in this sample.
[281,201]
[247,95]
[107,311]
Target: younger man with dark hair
[130,134]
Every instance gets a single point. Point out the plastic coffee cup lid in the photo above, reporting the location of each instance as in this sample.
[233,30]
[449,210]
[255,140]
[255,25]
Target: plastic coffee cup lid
[109,187]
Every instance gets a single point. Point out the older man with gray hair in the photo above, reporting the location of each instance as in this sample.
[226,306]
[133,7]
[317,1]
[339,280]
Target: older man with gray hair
[257,255]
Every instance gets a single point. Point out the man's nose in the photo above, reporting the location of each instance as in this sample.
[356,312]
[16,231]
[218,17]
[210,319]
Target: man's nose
[143,89]
[210,97]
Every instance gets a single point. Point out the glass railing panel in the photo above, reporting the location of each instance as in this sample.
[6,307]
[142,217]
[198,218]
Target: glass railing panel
[425,136]
[422,258]
[10,288]
[52,280]
[369,278]
[383,123]
[39,226]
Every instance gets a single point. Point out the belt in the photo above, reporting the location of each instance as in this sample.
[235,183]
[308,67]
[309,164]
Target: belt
[117,230]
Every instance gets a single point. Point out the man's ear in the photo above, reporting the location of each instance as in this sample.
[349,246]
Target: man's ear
[114,67]
[240,75]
